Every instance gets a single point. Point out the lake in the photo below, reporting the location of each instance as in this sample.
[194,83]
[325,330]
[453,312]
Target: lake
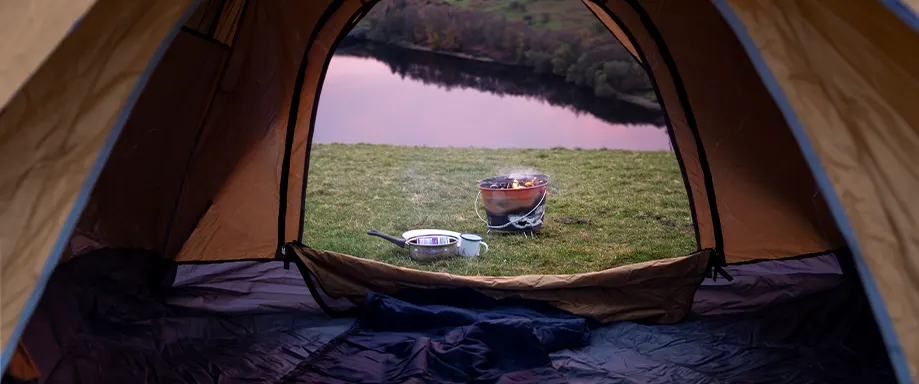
[378,96]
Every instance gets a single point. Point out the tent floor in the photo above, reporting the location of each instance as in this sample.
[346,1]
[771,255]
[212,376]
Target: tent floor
[105,319]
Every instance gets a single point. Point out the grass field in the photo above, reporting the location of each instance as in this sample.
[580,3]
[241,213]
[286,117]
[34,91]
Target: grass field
[636,202]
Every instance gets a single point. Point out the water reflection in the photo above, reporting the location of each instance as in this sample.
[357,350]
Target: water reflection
[399,97]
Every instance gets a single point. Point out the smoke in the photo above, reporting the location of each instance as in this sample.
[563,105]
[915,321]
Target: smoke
[520,172]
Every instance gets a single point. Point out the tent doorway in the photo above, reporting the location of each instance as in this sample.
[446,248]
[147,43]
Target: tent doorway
[433,124]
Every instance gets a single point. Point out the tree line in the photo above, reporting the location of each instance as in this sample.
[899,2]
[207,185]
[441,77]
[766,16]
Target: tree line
[588,57]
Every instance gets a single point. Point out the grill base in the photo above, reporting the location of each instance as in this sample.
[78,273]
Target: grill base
[517,222]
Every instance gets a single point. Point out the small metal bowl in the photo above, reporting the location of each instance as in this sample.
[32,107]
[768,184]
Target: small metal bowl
[424,249]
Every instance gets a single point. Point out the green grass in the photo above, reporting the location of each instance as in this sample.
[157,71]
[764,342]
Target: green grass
[636,202]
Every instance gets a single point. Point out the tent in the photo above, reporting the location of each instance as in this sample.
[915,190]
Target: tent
[183,128]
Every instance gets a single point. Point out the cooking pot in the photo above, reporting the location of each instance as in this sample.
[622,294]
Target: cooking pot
[425,246]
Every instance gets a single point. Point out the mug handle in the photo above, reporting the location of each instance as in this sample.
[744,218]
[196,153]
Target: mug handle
[486,246]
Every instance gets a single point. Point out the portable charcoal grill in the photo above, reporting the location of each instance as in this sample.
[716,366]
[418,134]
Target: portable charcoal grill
[513,204]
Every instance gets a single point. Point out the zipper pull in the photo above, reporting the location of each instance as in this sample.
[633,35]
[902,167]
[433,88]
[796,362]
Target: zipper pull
[283,254]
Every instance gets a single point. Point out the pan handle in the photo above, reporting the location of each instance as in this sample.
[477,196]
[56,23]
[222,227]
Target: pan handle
[392,239]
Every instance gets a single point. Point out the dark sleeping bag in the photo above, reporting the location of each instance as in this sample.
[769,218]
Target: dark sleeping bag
[446,337]
[462,337]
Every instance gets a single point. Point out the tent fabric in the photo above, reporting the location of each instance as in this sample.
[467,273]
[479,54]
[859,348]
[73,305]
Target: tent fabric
[683,139]
[32,30]
[614,28]
[54,128]
[799,341]
[767,284]
[218,20]
[244,139]
[911,4]
[138,195]
[851,80]
[129,316]
[21,365]
[140,183]
[740,144]
[230,113]
[157,322]
[226,134]
[659,291]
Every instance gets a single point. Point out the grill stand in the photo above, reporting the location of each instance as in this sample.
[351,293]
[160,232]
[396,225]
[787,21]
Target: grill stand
[533,218]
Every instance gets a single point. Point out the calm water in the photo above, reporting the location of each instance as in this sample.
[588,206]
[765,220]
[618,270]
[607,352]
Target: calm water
[365,100]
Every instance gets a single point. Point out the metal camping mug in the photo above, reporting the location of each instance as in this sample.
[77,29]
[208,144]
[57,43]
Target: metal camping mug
[471,245]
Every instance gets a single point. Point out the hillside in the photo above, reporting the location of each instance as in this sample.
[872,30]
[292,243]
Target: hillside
[547,14]
[559,37]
